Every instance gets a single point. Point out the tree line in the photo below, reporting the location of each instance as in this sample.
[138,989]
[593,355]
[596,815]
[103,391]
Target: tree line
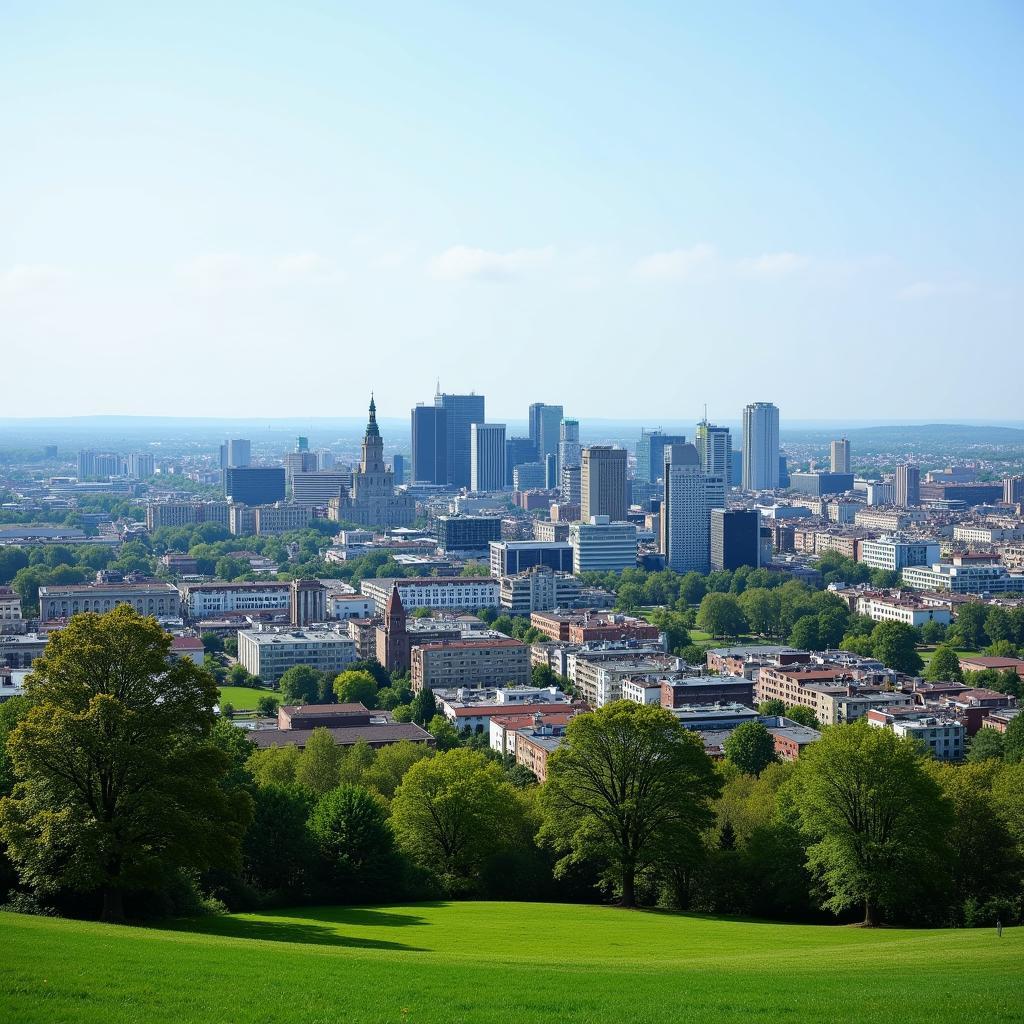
[125,796]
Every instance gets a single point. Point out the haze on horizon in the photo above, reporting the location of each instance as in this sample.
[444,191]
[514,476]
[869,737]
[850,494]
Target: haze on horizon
[246,212]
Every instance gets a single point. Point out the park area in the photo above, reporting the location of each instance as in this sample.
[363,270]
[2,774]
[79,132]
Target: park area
[496,962]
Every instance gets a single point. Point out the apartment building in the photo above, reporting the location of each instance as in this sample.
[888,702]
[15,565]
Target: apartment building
[269,653]
[455,663]
[466,593]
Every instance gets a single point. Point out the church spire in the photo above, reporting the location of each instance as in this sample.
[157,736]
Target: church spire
[372,429]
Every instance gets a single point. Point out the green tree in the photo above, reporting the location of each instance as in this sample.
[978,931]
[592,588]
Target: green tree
[673,625]
[390,765]
[358,760]
[970,625]
[631,788]
[721,615]
[986,744]
[944,665]
[446,736]
[451,812]
[805,633]
[803,715]
[873,814]
[751,747]
[356,688]
[762,608]
[933,632]
[771,708]
[692,588]
[832,624]
[275,766]
[277,854]
[999,625]
[1013,741]
[212,643]
[894,645]
[118,782]
[319,765]
[349,826]
[301,684]
[266,706]
[424,706]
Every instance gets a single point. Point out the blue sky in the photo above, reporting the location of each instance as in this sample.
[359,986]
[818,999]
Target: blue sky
[240,209]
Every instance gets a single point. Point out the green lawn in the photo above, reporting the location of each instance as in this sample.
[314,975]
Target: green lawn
[500,962]
[243,697]
[927,652]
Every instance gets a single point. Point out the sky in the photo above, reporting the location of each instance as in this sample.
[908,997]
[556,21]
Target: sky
[241,209]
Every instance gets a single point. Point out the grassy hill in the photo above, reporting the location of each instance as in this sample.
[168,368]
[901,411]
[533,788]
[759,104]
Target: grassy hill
[500,962]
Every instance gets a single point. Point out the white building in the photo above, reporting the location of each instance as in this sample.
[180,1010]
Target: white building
[642,690]
[452,593]
[10,611]
[943,736]
[538,590]
[899,609]
[964,579]
[760,447]
[486,456]
[350,606]
[896,553]
[602,546]
[685,512]
[269,653]
[208,600]
[980,533]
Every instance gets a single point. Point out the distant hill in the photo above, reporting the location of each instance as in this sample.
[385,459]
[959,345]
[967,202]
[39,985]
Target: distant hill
[907,434]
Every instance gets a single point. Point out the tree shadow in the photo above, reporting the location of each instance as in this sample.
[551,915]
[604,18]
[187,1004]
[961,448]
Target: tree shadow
[306,931]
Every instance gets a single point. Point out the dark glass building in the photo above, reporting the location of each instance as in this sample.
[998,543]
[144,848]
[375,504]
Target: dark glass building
[461,412]
[254,485]
[518,452]
[735,538]
[429,445]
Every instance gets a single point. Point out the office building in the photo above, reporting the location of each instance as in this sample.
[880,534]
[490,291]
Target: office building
[714,446]
[570,486]
[269,653]
[1013,490]
[840,456]
[538,589]
[238,453]
[372,500]
[299,462]
[893,554]
[148,598]
[448,593]
[908,486]
[735,538]
[325,459]
[819,482]
[569,451]
[281,518]
[964,579]
[880,492]
[451,664]
[551,472]
[215,600]
[601,545]
[486,456]
[429,444]
[254,485]
[319,488]
[761,462]
[185,513]
[528,476]
[650,454]
[545,428]
[684,511]
[398,469]
[509,557]
[519,451]
[307,601]
[141,465]
[461,412]
[466,534]
[603,482]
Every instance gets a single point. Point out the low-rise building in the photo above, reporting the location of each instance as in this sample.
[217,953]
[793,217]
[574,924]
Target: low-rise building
[503,727]
[964,579]
[980,662]
[893,554]
[269,653]
[901,608]
[348,724]
[19,650]
[452,664]
[204,600]
[943,735]
[151,597]
[461,593]
[10,612]
[535,744]
[538,589]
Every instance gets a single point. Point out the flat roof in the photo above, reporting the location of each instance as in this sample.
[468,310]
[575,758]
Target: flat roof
[392,732]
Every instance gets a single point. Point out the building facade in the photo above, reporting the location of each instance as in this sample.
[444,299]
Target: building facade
[603,482]
[760,447]
[486,456]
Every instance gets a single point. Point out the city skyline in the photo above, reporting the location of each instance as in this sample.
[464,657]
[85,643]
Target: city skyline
[735,204]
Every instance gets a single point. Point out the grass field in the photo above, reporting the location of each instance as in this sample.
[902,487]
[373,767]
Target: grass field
[500,962]
[243,697]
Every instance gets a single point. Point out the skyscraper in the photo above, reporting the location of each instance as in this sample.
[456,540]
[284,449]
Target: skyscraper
[714,447]
[760,447]
[239,452]
[398,469]
[545,423]
[735,538]
[650,454]
[487,456]
[1013,489]
[429,445]
[519,451]
[462,411]
[685,536]
[908,485]
[603,482]
[569,451]
[840,456]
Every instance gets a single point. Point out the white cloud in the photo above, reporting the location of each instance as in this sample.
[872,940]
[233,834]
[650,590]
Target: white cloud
[463,263]
[678,264]
[27,279]
[772,264]
[216,272]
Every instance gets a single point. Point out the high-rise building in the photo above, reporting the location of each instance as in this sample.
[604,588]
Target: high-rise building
[519,451]
[254,485]
[650,454]
[569,490]
[302,444]
[86,464]
[760,447]
[307,602]
[461,412]
[840,456]
[1013,490]
[398,469]
[908,486]
[714,446]
[320,488]
[545,424]
[487,456]
[603,482]
[429,445]
[299,462]
[600,545]
[551,471]
[569,451]
[684,511]
[528,476]
[325,458]
[239,453]
[735,538]
[141,465]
